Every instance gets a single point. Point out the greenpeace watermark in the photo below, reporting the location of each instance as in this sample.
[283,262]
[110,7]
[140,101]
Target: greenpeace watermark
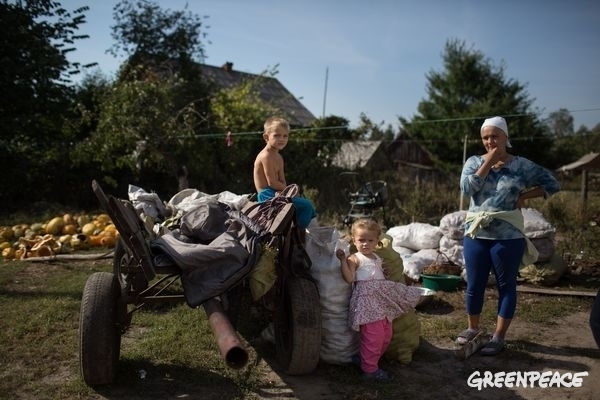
[544,379]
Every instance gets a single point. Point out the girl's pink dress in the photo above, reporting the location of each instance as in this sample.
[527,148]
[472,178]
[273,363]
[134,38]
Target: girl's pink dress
[375,298]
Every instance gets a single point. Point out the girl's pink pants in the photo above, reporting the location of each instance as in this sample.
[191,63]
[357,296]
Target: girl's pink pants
[375,337]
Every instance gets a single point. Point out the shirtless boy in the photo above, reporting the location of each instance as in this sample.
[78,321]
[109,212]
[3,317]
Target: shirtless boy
[269,175]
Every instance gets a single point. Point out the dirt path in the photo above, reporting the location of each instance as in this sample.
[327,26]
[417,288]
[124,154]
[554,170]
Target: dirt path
[567,346]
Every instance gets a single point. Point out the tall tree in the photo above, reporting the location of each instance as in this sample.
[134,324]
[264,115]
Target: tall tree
[141,132]
[468,89]
[37,36]
[158,101]
[161,39]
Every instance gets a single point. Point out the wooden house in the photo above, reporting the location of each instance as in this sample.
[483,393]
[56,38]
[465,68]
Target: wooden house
[362,155]
[413,160]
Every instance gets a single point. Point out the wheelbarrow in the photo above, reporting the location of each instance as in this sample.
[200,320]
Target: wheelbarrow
[141,275]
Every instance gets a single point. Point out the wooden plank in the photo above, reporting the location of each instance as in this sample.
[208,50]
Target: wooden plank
[79,257]
[528,289]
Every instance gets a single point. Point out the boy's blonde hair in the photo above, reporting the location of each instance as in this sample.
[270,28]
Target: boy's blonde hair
[273,122]
[366,224]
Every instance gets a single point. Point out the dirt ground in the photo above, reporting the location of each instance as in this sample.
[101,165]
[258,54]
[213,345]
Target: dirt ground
[435,372]
[565,346]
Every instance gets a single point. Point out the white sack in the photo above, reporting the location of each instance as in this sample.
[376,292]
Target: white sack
[416,236]
[536,225]
[414,263]
[453,249]
[338,341]
[452,225]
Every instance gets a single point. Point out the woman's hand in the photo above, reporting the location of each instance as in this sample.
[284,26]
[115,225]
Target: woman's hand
[493,156]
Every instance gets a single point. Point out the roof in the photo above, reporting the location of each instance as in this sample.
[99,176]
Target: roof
[589,161]
[354,155]
[270,91]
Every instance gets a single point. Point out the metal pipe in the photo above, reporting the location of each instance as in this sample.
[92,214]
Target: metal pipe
[231,348]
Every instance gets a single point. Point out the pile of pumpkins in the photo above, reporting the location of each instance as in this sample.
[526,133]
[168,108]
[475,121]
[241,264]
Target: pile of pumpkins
[59,235]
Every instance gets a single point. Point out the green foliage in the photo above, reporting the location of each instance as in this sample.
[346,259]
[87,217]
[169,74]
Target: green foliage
[37,35]
[468,89]
[142,125]
[568,144]
[143,30]
[369,130]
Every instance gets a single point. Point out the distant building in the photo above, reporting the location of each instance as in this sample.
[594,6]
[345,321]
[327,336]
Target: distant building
[362,155]
[413,160]
[403,155]
[270,90]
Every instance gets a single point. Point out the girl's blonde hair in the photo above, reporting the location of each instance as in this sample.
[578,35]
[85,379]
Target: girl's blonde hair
[366,224]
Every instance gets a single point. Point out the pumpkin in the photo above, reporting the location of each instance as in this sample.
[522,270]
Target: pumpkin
[88,229]
[55,226]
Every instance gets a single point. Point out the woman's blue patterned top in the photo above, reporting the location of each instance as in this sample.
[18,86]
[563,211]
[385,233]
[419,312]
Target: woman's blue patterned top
[500,190]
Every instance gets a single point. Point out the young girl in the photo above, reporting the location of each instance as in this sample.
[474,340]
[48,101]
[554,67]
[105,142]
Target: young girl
[375,301]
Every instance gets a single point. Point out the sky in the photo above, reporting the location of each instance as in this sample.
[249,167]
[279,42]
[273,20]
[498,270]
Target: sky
[350,57]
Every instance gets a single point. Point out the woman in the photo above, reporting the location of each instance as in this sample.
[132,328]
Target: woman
[497,183]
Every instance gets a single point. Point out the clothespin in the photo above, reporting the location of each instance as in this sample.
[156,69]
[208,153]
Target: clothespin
[228,139]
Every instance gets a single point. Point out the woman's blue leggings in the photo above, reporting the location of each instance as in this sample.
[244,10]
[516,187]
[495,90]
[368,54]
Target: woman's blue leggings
[501,256]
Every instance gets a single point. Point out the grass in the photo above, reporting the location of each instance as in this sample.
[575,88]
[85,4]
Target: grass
[39,339]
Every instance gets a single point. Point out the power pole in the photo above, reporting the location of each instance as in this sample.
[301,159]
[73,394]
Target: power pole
[325,92]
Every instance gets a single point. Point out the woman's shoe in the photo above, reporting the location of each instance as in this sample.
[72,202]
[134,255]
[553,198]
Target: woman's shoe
[466,336]
[494,347]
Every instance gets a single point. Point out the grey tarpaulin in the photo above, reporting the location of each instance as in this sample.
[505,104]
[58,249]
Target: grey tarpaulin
[210,268]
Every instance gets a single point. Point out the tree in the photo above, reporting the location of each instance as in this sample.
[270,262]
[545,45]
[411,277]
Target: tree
[35,76]
[560,123]
[161,39]
[568,145]
[369,130]
[469,89]
[142,127]
[157,105]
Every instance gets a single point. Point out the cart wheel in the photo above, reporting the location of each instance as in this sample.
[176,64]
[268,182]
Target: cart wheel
[122,270]
[121,261]
[99,334]
[298,327]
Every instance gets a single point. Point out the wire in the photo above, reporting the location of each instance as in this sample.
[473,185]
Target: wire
[220,135]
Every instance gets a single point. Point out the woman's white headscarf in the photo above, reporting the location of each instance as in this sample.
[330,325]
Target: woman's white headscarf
[499,123]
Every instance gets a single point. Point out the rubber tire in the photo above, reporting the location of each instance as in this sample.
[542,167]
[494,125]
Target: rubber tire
[99,333]
[121,259]
[298,327]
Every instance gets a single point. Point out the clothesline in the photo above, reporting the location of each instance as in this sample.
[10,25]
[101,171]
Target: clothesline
[229,133]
